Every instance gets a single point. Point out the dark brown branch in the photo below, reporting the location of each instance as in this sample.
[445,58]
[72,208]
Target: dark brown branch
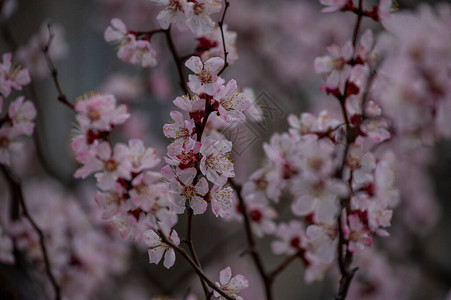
[283,265]
[177,60]
[16,189]
[357,25]
[345,257]
[221,27]
[54,72]
[195,266]
[189,241]
[267,280]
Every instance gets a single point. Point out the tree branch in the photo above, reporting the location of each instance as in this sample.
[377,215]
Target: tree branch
[267,280]
[61,96]
[195,266]
[221,25]
[16,189]
[177,60]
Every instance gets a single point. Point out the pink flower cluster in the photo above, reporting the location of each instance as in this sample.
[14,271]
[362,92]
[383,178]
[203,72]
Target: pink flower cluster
[83,253]
[415,89]
[131,196]
[132,48]
[19,118]
[192,14]
[324,162]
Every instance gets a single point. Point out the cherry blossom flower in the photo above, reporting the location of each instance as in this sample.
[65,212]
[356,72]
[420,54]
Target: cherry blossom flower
[199,21]
[131,49]
[206,79]
[12,76]
[232,103]
[141,157]
[182,189]
[320,198]
[222,200]
[215,163]
[22,114]
[184,156]
[173,13]
[356,233]
[335,66]
[158,248]
[99,112]
[8,146]
[292,238]
[231,286]
[181,130]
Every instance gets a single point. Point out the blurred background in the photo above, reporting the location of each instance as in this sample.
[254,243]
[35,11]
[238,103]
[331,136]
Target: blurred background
[277,42]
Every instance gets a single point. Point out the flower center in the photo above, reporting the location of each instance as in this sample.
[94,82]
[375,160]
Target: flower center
[110,165]
[198,8]
[174,6]
[93,114]
[205,76]
[189,191]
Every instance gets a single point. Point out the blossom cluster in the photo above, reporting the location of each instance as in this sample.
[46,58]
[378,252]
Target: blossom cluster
[198,164]
[131,195]
[83,253]
[18,120]
[342,190]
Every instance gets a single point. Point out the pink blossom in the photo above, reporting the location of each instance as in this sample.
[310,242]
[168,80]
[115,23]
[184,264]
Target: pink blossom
[99,112]
[132,50]
[141,157]
[198,11]
[11,76]
[215,163]
[8,146]
[158,248]
[206,79]
[181,130]
[335,66]
[174,12]
[222,200]
[232,103]
[182,189]
[231,286]
[292,238]
[357,233]
[115,165]
[22,114]
[194,105]
[262,218]
[320,198]
[321,242]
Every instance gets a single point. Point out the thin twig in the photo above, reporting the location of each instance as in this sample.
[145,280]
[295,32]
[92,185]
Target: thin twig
[221,25]
[16,189]
[283,265]
[195,266]
[189,241]
[345,257]
[177,60]
[267,280]
[61,96]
